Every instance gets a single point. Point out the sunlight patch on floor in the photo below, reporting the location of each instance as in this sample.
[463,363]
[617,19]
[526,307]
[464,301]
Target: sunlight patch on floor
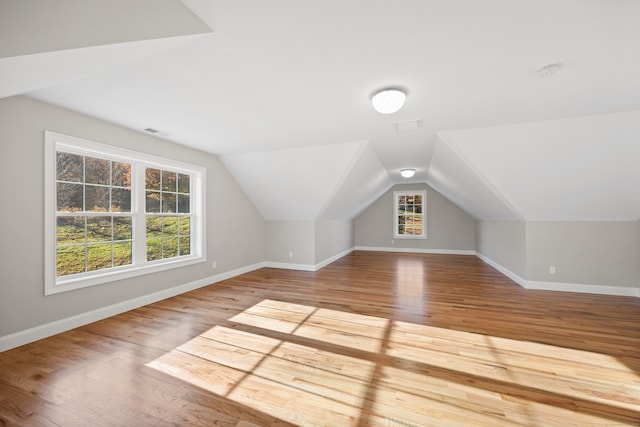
[347,369]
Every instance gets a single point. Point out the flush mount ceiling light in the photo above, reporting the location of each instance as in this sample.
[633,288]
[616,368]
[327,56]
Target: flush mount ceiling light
[407,173]
[388,101]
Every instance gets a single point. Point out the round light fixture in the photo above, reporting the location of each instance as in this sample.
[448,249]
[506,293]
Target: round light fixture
[388,101]
[407,173]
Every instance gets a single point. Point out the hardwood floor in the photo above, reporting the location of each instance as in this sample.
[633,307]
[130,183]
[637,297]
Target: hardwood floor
[373,339]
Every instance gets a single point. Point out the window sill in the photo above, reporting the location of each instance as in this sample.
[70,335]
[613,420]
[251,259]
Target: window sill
[53,287]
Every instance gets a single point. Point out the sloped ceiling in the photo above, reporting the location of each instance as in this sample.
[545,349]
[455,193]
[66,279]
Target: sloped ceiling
[295,184]
[243,79]
[569,170]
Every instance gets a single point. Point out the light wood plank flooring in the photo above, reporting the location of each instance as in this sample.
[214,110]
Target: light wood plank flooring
[374,339]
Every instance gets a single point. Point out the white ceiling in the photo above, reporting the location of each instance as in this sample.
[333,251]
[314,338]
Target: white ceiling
[286,79]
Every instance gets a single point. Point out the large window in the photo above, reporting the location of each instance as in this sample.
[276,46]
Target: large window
[113,213]
[409,209]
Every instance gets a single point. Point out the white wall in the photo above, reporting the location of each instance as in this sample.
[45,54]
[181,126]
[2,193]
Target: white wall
[449,228]
[235,232]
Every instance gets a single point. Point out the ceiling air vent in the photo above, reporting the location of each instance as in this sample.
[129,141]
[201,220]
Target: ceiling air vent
[152,130]
[407,125]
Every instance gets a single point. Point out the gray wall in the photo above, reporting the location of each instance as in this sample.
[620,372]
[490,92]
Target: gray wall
[504,243]
[586,252]
[333,237]
[602,253]
[310,242]
[235,237]
[448,226]
[285,237]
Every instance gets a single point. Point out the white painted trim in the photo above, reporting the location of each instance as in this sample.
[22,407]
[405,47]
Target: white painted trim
[308,267]
[43,331]
[510,274]
[628,291]
[399,193]
[55,141]
[290,266]
[417,250]
[332,259]
[625,291]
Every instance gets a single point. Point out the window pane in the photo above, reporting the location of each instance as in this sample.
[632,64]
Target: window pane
[153,201]
[69,167]
[170,226]
[152,179]
[69,197]
[99,229]
[418,209]
[400,229]
[185,225]
[70,229]
[154,227]
[97,171]
[169,181]
[154,249]
[99,256]
[169,202]
[122,229]
[410,199]
[69,260]
[418,199]
[183,183]
[96,198]
[183,203]
[170,247]
[120,200]
[185,245]
[121,174]
[122,253]
[402,199]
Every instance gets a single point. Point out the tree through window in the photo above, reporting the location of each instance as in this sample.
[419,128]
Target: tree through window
[113,213]
[409,214]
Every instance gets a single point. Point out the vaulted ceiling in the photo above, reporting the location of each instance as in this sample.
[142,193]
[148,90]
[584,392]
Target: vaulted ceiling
[281,91]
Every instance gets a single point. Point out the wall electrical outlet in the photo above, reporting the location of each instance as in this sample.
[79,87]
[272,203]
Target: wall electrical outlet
[213,264]
[552,269]
[290,254]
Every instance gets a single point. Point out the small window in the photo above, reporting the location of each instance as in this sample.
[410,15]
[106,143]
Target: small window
[410,214]
[113,213]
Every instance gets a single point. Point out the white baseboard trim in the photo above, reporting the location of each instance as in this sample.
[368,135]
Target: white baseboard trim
[623,291]
[332,259]
[416,250]
[510,274]
[626,291]
[17,339]
[289,266]
[308,267]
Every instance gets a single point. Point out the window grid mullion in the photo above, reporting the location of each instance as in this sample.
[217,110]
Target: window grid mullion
[139,227]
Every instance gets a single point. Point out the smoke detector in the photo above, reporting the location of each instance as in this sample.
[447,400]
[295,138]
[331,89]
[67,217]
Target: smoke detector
[549,70]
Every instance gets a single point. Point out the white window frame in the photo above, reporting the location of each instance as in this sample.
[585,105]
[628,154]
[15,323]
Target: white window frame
[396,196]
[139,161]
